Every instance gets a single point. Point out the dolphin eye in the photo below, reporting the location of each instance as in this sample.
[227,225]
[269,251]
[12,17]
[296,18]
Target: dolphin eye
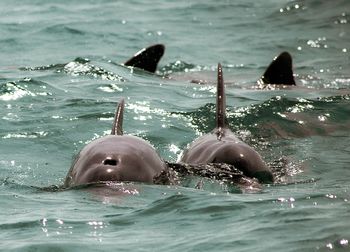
[110,162]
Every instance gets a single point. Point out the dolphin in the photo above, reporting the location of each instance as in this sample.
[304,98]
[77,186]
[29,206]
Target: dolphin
[222,146]
[147,58]
[116,157]
[279,72]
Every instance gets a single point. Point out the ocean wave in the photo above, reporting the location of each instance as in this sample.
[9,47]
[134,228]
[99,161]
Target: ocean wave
[78,67]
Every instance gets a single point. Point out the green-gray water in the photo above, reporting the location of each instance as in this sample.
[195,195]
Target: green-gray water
[60,80]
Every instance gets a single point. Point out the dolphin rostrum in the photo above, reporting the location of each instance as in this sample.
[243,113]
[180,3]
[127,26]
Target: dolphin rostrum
[222,146]
[116,157]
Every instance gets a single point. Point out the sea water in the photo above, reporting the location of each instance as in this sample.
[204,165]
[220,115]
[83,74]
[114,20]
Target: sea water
[61,78]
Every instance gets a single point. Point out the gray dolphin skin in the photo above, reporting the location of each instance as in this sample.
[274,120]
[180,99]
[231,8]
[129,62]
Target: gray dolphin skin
[222,146]
[115,157]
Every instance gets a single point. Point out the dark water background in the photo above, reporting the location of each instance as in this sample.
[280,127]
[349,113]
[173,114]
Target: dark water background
[60,80]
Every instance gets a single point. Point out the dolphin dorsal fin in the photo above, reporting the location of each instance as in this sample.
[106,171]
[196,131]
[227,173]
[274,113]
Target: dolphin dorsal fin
[279,71]
[118,119]
[220,100]
[147,58]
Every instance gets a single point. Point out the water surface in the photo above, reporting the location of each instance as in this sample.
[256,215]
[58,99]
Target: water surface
[60,80]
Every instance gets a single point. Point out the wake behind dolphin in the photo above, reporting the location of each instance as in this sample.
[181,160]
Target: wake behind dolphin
[222,146]
[116,157]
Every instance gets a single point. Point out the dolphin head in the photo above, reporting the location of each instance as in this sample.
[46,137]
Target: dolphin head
[115,157]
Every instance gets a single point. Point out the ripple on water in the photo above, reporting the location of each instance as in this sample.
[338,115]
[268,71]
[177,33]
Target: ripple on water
[11,91]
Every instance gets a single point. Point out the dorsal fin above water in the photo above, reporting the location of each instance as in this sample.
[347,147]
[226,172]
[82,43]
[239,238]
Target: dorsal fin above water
[118,119]
[147,58]
[279,71]
[220,100]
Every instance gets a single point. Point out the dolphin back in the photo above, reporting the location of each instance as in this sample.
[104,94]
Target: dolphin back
[279,71]
[118,119]
[147,58]
[220,100]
